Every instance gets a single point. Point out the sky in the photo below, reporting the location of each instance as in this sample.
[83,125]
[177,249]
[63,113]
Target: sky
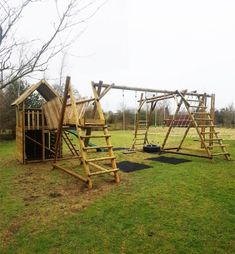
[168,44]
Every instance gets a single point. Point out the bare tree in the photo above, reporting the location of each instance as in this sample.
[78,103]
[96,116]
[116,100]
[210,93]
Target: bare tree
[20,58]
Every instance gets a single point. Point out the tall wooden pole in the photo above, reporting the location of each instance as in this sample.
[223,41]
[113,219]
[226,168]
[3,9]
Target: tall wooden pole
[61,120]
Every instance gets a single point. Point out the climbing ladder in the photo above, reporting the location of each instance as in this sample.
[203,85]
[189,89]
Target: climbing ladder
[200,119]
[69,142]
[90,159]
[141,127]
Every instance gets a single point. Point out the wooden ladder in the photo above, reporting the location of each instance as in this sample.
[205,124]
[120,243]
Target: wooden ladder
[93,162]
[204,124]
[69,142]
[141,128]
[84,130]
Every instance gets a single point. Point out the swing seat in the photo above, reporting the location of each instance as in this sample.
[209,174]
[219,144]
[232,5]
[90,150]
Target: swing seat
[151,148]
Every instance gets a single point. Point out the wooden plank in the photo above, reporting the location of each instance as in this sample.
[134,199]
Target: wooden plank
[52,112]
[38,119]
[96,147]
[28,114]
[103,172]
[81,101]
[43,136]
[61,118]
[101,159]
[97,104]
[33,120]
[140,89]
[72,173]
[23,131]
[189,154]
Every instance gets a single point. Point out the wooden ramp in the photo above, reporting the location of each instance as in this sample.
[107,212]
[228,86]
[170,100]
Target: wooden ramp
[90,158]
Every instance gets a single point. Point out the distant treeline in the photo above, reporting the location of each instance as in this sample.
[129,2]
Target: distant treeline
[224,117]
[122,119]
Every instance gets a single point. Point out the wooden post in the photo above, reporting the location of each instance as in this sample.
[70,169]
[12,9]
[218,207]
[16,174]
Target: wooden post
[203,129]
[61,120]
[33,120]
[38,117]
[29,124]
[212,115]
[172,122]
[23,132]
[43,135]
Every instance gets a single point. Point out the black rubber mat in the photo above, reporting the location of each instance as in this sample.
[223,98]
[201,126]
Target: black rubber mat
[119,148]
[170,160]
[128,166]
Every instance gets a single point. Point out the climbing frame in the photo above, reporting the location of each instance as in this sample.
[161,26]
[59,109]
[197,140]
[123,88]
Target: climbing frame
[196,115]
[91,159]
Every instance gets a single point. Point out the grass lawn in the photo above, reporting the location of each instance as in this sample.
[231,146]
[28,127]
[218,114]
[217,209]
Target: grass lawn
[183,208]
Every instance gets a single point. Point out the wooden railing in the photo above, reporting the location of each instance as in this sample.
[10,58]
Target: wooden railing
[33,119]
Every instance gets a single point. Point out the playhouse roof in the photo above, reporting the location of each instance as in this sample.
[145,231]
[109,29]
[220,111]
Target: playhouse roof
[42,87]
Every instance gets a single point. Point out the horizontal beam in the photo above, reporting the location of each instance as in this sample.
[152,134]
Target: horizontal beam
[138,89]
[81,101]
[70,172]
[187,154]
[160,98]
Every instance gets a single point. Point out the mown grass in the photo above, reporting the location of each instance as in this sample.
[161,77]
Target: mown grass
[184,208]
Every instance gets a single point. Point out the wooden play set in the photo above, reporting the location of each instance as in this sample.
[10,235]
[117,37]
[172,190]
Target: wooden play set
[41,132]
[193,110]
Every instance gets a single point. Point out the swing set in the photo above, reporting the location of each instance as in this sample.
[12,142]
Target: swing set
[193,111]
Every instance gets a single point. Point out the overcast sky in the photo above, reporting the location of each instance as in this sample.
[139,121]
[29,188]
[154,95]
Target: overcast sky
[155,44]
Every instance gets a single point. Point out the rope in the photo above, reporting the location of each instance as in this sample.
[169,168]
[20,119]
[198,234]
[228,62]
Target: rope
[123,113]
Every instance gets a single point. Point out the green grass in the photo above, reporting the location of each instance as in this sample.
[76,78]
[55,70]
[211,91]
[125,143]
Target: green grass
[184,208]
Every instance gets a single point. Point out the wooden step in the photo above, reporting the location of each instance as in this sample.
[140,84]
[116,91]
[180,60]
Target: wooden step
[206,125]
[101,167]
[182,120]
[103,172]
[203,119]
[209,132]
[95,136]
[101,159]
[201,113]
[212,139]
[96,147]
[92,125]
[216,145]
[195,106]
[217,154]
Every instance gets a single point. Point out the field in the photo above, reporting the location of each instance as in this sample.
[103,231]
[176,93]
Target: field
[183,208]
